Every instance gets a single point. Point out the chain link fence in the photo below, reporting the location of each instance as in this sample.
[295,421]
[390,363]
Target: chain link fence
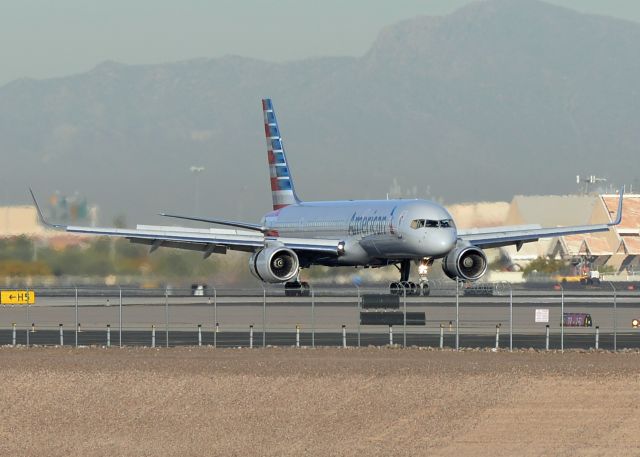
[502,316]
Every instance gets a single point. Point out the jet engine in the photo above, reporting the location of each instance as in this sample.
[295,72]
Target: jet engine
[274,264]
[465,262]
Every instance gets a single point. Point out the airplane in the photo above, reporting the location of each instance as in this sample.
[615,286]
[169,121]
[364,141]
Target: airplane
[298,234]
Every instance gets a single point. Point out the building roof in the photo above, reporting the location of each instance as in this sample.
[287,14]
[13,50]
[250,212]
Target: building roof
[552,210]
[594,244]
[630,212]
[630,245]
[20,220]
[479,215]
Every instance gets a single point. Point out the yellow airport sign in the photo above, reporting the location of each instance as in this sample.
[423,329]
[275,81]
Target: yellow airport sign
[17,297]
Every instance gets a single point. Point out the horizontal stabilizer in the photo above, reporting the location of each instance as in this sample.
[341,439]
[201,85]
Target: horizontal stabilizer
[244,225]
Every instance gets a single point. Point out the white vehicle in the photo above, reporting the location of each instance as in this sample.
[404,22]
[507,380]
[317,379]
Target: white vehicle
[373,233]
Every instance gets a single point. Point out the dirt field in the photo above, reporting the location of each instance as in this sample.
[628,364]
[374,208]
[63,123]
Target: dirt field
[286,402]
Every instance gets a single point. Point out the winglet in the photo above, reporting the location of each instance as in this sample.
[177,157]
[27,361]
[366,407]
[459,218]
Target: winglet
[619,216]
[41,218]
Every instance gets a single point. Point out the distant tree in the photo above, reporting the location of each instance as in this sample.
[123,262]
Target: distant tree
[547,266]
[120,221]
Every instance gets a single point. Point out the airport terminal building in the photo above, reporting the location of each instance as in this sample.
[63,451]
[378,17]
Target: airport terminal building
[618,249]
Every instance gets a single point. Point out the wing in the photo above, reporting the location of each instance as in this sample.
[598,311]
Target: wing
[517,235]
[208,241]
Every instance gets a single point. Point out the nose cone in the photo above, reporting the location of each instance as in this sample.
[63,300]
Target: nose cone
[440,242]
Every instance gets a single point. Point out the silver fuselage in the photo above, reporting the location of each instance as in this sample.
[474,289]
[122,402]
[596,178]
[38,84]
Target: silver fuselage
[374,231]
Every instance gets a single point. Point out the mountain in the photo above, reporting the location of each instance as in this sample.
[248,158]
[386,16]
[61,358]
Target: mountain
[499,97]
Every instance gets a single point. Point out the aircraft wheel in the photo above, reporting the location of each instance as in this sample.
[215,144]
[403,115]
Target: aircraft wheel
[293,289]
[405,287]
[395,288]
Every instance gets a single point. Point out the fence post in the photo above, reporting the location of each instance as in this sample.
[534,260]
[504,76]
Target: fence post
[404,318]
[457,314]
[497,336]
[359,312]
[313,317]
[76,344]
[251,336]
[28,319]
[297,335]
[199,334]
[510,317]
[120,316]
[391,335]
[546,344]
[215,317]
[344,336]
[13,335]
[597,337]
[561,318]
[166,316]
[153,336]
[441,336]
[61,335]
[264,316]
[108,335]
[615,318]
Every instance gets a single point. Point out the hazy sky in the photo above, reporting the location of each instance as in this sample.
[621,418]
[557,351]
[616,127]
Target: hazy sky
[47,38]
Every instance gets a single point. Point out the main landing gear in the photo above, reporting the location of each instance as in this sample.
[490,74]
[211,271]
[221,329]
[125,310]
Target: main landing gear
[410,287]
[297,289]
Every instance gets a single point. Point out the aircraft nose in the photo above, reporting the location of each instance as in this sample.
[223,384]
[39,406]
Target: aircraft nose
[440,242]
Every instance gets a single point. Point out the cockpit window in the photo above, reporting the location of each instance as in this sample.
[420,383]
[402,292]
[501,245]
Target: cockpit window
[430,223]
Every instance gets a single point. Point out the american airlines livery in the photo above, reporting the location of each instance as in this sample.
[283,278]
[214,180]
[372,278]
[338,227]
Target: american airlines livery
[366,233]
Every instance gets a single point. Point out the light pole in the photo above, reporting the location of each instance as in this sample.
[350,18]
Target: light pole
[196,170]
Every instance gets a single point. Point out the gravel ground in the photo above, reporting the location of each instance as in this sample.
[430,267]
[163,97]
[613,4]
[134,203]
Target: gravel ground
[286,402]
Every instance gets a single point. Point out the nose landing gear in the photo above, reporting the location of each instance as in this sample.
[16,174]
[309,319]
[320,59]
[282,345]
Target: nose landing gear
[410,287]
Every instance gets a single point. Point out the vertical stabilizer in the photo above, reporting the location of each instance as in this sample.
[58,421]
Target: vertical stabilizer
[282,189]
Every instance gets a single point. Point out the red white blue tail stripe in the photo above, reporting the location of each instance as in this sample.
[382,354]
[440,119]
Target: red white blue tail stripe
[282,189]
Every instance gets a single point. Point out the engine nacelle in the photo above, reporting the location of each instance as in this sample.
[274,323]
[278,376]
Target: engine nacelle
[274,264]
[465,262]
